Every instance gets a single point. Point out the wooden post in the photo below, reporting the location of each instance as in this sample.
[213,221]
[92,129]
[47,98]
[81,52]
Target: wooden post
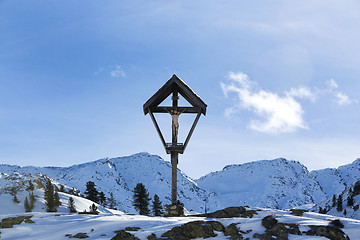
[174,161]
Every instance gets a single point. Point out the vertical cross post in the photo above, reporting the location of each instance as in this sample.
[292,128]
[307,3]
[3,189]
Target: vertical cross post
[174,154]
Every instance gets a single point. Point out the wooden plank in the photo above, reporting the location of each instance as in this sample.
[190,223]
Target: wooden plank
[157,129]
[180,109]
[192,130]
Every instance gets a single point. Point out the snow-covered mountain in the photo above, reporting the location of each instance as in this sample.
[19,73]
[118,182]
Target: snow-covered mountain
[335,180]
[277,183]
[120,176]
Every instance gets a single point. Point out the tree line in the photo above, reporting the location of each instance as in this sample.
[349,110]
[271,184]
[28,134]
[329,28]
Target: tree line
[142,202]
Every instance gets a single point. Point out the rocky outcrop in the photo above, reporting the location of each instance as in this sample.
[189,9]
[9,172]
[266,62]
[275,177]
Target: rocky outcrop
[330,232]
[11,221]
[123,235]
[191,230]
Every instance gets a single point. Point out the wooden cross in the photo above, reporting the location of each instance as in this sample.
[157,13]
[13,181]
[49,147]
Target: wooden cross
[175,86]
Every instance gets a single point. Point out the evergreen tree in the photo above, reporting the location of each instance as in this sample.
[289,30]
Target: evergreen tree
[102,199]
[71,205]
[91,192]
[339,206]
[27,205]
[350,200]
[93,208]
[111,201]
[57,199]
[49,197]
[345,212]
[32,200]
[141,199]
[334,200]
[157,208]
[62,188]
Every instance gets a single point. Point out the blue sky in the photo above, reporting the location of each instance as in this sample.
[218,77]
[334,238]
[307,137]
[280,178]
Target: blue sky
[280,78]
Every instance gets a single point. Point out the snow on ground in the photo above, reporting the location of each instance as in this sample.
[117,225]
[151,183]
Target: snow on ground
[54,226]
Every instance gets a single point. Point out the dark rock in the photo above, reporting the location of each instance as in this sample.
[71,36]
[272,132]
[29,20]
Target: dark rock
[133,229]
[11,221]
[249,213]
[269,221]
[265,236]
[152,237]
[217,226]
[122,235]
[233,232]
[229,212]
[297,212]
[80,235]
[190,230]
[28,220]
[336,223]
[329,232]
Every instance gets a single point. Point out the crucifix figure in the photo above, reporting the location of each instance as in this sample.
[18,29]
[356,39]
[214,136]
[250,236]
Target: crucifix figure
[175,123]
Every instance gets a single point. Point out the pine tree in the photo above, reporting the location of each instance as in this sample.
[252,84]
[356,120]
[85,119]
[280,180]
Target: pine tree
[27,205]
[345,212]
[93,208]
[339,206]
[57,199]
[32,200]
[111,201]
[350,200]
[91,192]
[157,208]
[334,200]
[71,205]
[141,199]
[49,197]
[102,199]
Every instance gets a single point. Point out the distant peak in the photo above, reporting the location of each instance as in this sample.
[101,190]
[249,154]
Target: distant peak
[356,162]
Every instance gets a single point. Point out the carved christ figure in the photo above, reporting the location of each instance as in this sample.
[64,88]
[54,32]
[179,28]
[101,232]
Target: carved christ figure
[175,122]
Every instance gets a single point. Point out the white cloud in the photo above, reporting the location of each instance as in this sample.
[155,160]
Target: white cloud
[279,114]
[302,92]
[332,84]
[342,99]
[117,72]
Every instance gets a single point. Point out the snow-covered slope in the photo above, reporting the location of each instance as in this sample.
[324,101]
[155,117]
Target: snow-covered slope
[120,176]
[335,180]
[50,226]
[277,183]
[346,203]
